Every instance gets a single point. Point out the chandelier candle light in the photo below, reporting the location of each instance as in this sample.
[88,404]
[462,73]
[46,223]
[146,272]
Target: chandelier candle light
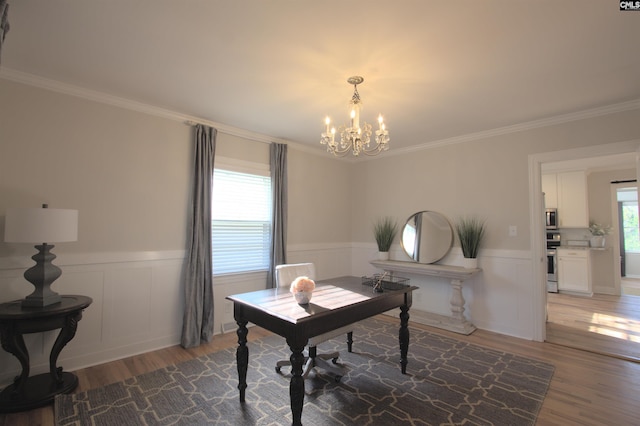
[355,138]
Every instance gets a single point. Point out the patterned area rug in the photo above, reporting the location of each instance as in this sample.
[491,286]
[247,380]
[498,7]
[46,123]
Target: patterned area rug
[449,382]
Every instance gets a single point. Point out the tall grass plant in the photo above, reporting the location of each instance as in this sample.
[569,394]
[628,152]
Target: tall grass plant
[470,232]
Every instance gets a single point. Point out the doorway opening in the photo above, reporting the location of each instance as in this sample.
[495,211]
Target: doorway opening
[628,231]
[616,150]
[608,322]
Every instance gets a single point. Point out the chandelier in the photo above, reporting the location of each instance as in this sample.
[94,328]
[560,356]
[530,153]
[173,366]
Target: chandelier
[353,137]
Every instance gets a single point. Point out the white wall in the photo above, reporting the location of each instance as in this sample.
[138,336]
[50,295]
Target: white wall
[488,178]
[601,195]
[137,307]
[128,173]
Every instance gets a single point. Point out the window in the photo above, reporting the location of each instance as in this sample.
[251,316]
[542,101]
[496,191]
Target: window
[630,226]
[241,221]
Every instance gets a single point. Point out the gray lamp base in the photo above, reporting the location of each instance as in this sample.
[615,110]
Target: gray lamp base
[41,302]
[42,275]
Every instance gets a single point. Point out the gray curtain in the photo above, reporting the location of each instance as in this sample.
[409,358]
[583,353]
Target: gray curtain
[197,323]
[4,22]
[278,165]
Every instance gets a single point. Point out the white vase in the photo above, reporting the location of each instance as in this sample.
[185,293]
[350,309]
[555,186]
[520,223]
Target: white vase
[470,263]
[303,297]
[597,241]
[383,255]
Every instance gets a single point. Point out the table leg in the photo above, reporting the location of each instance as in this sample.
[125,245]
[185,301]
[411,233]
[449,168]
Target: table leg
[457,300]
[242,358]
[67,332]
[403,337]
[13,342]
[296,387]
[459,323]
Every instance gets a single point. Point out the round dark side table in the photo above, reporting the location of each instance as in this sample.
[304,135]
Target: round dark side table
[27,392]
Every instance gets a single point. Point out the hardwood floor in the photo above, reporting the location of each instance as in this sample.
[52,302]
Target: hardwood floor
[602,323]
[586,389]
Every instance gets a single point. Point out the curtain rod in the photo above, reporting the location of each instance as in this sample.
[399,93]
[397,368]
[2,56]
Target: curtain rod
[234,131]
[624,181]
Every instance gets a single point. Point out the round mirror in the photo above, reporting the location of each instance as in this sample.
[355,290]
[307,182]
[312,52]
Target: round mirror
[427,237]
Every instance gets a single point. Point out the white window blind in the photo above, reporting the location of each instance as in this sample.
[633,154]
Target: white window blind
[241,222]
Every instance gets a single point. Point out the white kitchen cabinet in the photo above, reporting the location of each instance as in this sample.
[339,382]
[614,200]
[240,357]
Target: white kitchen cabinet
[550,189]
[567,191]
[573,211]
[574,271]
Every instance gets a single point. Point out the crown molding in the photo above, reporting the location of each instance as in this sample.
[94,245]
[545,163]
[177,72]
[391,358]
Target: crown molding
[105,98]
[84,93]
[545,122]
[69,89]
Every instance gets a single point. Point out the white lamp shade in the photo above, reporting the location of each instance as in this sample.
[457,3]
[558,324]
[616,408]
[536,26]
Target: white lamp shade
[41,225]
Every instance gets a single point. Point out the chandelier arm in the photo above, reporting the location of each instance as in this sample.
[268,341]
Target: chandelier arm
[374,151]
[339,152]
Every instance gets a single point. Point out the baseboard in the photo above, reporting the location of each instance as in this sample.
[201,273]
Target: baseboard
[442,321]
[80,361]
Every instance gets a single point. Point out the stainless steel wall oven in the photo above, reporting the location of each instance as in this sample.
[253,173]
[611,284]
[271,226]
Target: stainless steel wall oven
[551,218]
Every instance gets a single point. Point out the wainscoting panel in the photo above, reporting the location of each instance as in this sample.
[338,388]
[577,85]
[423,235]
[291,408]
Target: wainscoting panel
[167,298]
[137,307]
[227,285]
[331,260]
[127,318]
[498,299]
[89,283]
[138,302]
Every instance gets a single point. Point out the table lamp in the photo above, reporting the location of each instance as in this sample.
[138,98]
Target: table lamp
[37,225]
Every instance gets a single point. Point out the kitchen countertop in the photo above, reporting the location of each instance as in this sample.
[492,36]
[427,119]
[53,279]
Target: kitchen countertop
[582,248]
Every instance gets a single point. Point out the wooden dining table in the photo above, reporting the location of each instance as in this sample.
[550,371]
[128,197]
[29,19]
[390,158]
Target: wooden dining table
[335,303]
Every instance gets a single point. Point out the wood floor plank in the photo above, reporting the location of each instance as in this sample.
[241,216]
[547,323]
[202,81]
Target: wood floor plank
[586,389]
[603,324]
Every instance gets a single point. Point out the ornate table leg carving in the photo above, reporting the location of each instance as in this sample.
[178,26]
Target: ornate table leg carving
[296,387]
[13,342]
[26,393]
[457,300]
[403,337]
[67,332]
[457,308]
[242,358]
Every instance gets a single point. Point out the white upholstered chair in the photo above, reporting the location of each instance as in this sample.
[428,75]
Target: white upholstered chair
[285,274]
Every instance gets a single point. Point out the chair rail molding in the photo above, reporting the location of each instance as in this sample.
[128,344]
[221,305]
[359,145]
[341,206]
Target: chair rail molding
[456,274]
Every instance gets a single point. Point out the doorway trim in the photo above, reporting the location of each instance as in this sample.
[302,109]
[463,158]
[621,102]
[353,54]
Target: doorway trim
[536,216]
[617,230]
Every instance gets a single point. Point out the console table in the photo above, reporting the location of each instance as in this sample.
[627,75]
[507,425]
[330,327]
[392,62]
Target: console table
[457,274]
[27,392]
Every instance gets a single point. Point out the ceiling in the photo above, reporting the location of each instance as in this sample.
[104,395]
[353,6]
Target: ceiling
[437,70]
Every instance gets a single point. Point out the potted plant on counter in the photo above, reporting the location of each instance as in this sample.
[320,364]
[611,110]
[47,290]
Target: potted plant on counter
[598,233]
[470,232]
[384,231]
